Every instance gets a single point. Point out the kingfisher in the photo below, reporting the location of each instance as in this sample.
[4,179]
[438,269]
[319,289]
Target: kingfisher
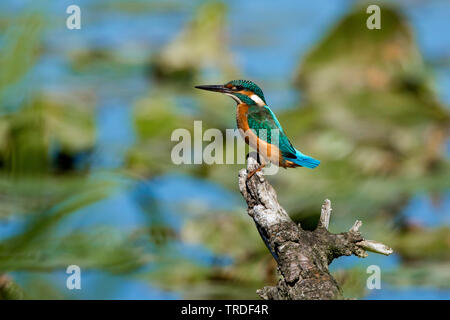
[260,127]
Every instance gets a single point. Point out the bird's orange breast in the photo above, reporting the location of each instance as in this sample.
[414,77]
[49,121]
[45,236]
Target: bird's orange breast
[269,151]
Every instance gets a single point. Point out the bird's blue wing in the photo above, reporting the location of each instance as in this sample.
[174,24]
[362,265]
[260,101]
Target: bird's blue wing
[262,121]
[263,118]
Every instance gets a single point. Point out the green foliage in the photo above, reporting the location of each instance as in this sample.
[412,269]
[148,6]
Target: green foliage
[41,247]
[421,274]
[415,244]
[199,46]
[20,50]
[30,191]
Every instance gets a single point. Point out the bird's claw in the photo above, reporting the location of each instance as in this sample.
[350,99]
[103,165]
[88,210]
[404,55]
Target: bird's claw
[251,173]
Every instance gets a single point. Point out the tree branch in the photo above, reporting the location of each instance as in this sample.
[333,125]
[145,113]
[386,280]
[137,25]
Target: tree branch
[325,214]
[302,256]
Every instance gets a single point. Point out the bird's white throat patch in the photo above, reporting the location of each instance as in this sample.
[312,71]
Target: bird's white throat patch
[254,97]
[234,98]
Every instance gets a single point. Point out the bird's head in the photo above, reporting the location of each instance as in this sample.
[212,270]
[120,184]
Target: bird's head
[242,91]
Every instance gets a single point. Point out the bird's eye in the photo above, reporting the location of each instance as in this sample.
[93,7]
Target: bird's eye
[239,88]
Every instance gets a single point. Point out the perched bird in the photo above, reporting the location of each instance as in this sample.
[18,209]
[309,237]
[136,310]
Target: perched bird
[259,126]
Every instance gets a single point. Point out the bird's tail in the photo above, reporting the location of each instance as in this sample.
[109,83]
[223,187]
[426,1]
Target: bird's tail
[305,161]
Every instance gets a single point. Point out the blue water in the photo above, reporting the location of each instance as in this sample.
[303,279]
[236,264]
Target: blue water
[407,293]
[423,211]
[97,285]
[283,32]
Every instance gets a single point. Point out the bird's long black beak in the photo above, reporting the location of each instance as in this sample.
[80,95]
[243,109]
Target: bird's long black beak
[215,88]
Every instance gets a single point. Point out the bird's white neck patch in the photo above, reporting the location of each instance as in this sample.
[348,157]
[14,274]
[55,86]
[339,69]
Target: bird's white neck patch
[257,100]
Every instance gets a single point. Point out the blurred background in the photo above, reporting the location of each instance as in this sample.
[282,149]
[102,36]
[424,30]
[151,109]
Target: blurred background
[86,117]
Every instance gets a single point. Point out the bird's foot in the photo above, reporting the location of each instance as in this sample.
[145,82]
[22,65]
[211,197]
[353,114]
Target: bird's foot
[251,173]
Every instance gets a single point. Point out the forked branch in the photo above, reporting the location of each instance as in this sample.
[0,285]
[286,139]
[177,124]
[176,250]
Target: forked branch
[302,256]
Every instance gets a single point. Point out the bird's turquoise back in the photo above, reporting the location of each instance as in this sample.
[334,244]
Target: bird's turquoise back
[263,118]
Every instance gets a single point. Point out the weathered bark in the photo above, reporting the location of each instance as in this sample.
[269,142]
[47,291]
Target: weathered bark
[302,256]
